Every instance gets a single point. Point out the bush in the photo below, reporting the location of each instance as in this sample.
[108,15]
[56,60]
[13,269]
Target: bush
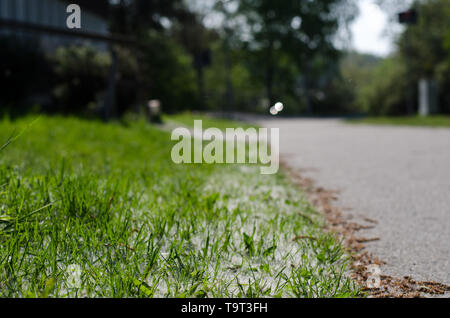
[81,74]
[25,75]
[168,74]
[247,90]
[127,81]
[385,93]
[74,80]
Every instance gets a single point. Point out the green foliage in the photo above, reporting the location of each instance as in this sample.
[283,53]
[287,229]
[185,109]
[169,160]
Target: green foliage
[385,91]
[262,53]
[425,46]
[299,32]
[137,16]
[127,81]
[380,88]
[247,88]
[424,43]
[187,119]
[168,73]
[357,71]
[81,76]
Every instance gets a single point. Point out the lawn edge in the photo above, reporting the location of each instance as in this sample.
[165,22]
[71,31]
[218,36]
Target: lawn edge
[336,224]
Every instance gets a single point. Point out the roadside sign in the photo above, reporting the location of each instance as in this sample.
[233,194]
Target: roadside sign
[408,17]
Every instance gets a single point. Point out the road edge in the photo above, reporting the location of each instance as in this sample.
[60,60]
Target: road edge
[360,259]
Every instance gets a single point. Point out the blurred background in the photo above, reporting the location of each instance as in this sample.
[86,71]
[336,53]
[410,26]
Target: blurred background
[318,58]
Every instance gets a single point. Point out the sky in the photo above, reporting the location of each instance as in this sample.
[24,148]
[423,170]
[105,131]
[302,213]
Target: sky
[368,30]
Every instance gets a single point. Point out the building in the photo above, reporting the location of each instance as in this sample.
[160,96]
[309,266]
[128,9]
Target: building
[52,13]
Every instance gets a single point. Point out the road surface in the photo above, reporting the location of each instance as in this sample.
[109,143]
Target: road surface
[398,176]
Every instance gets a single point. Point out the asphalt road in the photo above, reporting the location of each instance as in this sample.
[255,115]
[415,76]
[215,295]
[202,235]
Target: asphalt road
[398,176]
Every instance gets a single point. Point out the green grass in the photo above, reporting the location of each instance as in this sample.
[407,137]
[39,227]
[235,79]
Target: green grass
[106,198]
[187,119]
[431,121]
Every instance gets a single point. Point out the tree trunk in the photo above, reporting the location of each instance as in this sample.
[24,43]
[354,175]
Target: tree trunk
[109,105]
[307,88]
[229,80]
[270,75]
[201,86]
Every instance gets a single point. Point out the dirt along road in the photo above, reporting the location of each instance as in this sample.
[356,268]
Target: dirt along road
[397,176]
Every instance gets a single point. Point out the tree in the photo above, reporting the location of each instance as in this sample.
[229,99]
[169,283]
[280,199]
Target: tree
[298,30]
[196,38]
[424,46]
[137,16]
[385,91]
[162,62]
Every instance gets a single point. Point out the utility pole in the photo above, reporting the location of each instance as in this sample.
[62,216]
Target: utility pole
[228,67]
[228,58]
[109,104]
[409,17]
